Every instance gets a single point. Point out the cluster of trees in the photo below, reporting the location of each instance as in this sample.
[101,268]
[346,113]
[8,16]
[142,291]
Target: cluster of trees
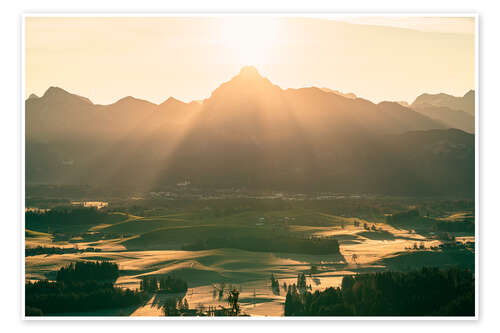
[268,244]
[167,284]
[33,251]
[275,285]
[301,282]
[69,216]
[233,301]
[426,292]
[180,307]
[79,287]
[177,307]
[420,246]
[48,250]
[368,228]
[46,298]
[88,271]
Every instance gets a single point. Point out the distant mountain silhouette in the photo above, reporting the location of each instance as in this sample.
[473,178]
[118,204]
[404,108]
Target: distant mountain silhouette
[348,95]
[248,133]
[455,112]
[452,118]
[404,103]
[61,115]
[465,103]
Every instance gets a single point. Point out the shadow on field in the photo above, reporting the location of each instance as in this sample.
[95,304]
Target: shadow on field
[118,312]
[333,260]
[377,235]
[256,300]
[160,299]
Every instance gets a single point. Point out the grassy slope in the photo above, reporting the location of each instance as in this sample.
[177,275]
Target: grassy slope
[35,234]
[452,257]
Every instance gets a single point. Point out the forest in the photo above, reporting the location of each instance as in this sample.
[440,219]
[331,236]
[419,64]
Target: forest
[88,271]
[425,292]
[69,215]
[79,287]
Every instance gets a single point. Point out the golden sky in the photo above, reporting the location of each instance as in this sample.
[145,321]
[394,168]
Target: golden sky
[153,58]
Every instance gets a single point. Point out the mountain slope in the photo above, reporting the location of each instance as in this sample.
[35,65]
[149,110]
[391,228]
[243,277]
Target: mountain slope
[454,112]
[452,118]
[465,103]
[248,133]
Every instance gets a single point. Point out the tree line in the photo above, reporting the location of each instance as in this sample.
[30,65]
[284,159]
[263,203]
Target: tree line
[88,271]
[34,251]
[70,216]
[79,287]
[45,298]
[268,244]
[168,284]
[425,292]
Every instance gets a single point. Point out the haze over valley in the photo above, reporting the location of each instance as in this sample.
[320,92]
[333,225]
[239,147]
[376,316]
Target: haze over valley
[328,169]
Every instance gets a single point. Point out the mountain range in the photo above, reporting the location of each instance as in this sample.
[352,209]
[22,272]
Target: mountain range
[251,133]
[455,112]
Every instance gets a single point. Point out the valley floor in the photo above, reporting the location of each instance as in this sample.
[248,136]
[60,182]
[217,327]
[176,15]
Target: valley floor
[207,271]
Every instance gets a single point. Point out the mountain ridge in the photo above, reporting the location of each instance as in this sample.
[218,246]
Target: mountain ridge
[248,133]
[464,103]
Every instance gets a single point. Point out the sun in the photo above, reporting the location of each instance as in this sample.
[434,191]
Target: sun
[250,40]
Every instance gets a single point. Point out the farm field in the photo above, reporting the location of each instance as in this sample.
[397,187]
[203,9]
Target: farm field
[145,246]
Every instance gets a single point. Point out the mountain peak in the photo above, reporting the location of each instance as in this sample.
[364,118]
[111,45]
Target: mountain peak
[172,102]
[56,92]
[131,102]
[470,94]
[249,71]
[248,82]
[249,74]
[126,99]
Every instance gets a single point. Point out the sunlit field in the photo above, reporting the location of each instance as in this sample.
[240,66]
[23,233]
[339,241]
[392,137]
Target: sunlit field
[151,241]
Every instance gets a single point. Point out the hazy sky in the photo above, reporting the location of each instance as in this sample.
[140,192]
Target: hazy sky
[153,58]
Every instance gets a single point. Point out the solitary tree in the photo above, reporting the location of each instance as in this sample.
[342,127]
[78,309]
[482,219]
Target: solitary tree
[232,299]
[355,257]
[221,289]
